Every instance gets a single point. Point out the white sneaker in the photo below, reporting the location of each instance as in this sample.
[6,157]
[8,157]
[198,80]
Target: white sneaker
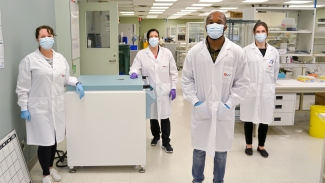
[47,179]
[55,175]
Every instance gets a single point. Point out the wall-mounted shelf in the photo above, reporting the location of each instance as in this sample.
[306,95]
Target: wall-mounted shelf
[291,32]
[301,65]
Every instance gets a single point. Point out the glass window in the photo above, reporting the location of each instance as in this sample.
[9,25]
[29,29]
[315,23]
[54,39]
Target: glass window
[98,29]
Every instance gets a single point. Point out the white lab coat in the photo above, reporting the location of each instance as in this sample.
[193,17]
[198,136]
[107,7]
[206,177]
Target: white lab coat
[215,84]
[258,105]
[40,89]
[163,76]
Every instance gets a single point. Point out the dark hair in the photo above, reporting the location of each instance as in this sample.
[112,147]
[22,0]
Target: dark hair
[151,30]
[48,28]
[259,23]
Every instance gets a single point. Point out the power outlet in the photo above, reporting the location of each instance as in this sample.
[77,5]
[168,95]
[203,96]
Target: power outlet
[23,145]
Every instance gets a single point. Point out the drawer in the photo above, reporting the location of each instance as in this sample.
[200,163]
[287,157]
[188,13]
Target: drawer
[283,119]
[285,96]
[284,106]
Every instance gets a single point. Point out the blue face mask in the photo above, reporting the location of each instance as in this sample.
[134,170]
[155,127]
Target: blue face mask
[153,41]
[260,37]
[46,42]
[215,31]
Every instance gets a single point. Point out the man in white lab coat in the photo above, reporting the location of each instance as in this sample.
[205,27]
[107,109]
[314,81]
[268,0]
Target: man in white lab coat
[215,79]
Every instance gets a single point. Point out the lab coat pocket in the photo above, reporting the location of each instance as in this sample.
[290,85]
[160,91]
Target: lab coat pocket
[60,103]
[38,105]
[166,87]
[202,111]
[227,74]
[223,112]
[252,90]
[269,90]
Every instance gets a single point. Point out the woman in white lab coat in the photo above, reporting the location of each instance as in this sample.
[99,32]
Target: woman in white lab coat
[159,65]
[257,108]
[43,74]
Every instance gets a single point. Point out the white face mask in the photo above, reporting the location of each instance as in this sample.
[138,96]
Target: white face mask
[46,42]
[153,41]
[215,30]
[260,37]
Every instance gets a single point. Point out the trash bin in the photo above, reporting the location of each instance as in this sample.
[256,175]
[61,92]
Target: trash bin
[124,59]
[317,124]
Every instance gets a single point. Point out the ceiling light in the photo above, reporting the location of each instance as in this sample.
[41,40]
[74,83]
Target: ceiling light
[127,12]
[254,1]
[159,7]
[152,16]
[182,13]
[229,8]
[305,6]
[165,0]
[201,4]
[158,10]
[204,15]
[297,2]
[154,12]
[223,11]
[162,4]
[188,10]
[193,8]
[210,1]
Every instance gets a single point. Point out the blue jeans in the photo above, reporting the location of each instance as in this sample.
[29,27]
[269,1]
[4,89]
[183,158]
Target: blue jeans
[220,159]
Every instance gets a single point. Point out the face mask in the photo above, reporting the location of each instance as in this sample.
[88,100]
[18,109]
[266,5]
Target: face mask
[215,31]
[46,42]
[260,37]
[153,41]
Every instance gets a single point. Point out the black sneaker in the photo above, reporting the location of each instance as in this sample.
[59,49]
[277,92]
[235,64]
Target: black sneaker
[154,142]
[249,151]
[168,148]
[263,152]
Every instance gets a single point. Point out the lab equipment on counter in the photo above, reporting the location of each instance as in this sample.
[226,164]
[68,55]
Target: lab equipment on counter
[306,79]
[108,126]
[281,75]
[322,79]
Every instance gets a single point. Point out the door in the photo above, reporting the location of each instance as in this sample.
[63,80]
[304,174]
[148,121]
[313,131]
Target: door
[99,38]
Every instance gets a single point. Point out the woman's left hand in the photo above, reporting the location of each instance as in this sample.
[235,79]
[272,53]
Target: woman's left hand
[80,90]
[172,94]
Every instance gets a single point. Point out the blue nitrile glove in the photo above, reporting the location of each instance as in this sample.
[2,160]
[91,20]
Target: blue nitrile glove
[227,106]
[197,103]
[172,94]
[25,115]
[80,90]
[133,76]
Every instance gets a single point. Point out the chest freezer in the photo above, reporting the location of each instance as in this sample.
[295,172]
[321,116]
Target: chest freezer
[107,127]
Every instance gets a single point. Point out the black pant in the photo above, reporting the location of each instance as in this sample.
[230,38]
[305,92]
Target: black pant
[262,131]
[165,128]
[46,156]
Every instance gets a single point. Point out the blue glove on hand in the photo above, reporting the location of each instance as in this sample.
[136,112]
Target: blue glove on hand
[133,76]
[80,90]
[25,115]
[197,103]
[227,106]
[172,94]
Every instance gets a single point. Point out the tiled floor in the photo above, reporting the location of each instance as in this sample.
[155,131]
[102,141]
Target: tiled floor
[294,158]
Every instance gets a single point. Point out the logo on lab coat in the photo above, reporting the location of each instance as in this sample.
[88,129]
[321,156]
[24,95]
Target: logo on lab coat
[62,75]
[226,74]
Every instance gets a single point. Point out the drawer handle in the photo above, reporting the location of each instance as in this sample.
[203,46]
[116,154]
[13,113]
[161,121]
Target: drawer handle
[278,106]
[112,60]
[277,119]
[279,98]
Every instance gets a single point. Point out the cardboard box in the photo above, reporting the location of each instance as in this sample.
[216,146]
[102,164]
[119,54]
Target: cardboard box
[320,99]
[236,14]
